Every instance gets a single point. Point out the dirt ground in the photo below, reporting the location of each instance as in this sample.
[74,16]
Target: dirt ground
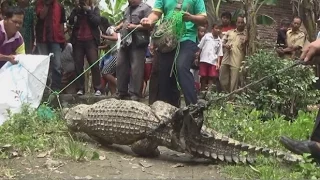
[116,162]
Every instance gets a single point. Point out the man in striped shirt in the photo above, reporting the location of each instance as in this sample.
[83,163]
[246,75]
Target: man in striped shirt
[11,41]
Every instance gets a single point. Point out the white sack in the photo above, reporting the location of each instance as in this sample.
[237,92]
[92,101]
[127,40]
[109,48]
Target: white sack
[18,86]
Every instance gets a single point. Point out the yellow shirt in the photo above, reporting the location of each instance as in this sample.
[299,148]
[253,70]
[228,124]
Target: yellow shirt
[236,54]
[295,38]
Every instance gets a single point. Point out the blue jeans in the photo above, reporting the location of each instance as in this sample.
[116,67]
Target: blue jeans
[168,90]
[55,64]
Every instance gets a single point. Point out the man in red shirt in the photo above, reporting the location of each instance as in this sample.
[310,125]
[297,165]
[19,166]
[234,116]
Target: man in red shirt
[226,26]
[226,22]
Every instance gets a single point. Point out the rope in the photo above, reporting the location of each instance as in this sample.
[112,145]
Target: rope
[95,62]
[86,70]
[208,103]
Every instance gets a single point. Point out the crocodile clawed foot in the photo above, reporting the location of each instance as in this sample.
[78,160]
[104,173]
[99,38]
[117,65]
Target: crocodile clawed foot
[145,148]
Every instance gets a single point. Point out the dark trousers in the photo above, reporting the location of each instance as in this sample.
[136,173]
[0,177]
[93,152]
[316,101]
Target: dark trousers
[153,82]
[90,50]
[315,136]
[168,90]
[130,67]
[55,64]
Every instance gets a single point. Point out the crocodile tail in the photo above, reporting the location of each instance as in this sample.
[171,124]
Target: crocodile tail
[214,145]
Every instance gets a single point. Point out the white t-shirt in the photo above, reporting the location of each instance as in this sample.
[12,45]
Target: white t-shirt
[211,49]
[109,32]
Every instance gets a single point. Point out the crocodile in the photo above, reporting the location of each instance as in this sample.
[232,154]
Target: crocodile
[144,128]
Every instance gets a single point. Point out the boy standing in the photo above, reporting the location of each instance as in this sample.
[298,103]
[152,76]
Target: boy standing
[195,66]
[210,56]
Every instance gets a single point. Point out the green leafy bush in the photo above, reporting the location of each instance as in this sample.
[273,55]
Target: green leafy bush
[245,124]
[285,93]
[28,131]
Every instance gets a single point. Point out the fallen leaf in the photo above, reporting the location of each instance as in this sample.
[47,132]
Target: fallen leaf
[177,165]
[145,164]
[52,164]
[42,155]
[135,166]
[102,158]
[88,177]
[127,159]
[15,154]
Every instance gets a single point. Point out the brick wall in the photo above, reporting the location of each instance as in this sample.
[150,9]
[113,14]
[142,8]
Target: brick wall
[267,34]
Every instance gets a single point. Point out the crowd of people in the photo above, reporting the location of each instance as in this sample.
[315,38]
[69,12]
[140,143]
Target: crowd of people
[123,57]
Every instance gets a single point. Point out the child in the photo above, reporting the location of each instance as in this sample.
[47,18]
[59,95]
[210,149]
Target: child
[282,37]
[111,40]
[195,66]
[210,56]
[147,70]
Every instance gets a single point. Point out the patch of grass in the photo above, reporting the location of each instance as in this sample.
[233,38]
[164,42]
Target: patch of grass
[75,150]
[33,131]
[246,125]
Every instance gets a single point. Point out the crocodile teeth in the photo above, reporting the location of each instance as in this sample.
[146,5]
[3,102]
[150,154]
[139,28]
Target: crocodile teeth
[243,159]
[245,147]
[228,158]
[235,159]
[250,160]
[193,149]
[214,155]
[200,151]
[280,154]
[207,154]
[221,157]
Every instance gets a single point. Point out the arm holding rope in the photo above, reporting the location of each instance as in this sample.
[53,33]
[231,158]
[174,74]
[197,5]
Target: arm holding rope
[151,20]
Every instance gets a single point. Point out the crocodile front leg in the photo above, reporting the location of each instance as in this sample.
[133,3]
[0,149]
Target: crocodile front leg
[146,148]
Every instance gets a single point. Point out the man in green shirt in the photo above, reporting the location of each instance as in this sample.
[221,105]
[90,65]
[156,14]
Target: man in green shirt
[194,15]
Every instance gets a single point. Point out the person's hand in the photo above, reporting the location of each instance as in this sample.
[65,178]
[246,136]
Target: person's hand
[146,22]
[11,59]
[228,46]
[86,7]
[280,51]
[217,66]
[131,26]
[151,49]
[187,16]
[310,50]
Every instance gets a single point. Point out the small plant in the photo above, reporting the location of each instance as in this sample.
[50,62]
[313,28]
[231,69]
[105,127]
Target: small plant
[244,123]
[285,93]
[74,149]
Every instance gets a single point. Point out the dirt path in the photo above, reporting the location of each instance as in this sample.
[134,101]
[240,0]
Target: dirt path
[119,163]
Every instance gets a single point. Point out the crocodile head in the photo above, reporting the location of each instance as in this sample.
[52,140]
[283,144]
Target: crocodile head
[75,117]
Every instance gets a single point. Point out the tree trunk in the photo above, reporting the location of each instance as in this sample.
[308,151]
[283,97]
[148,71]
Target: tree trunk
[211,11]
[308,11]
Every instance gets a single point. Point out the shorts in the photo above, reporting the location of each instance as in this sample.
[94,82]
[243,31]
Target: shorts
[208,70]
[147,71]
[108,64]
